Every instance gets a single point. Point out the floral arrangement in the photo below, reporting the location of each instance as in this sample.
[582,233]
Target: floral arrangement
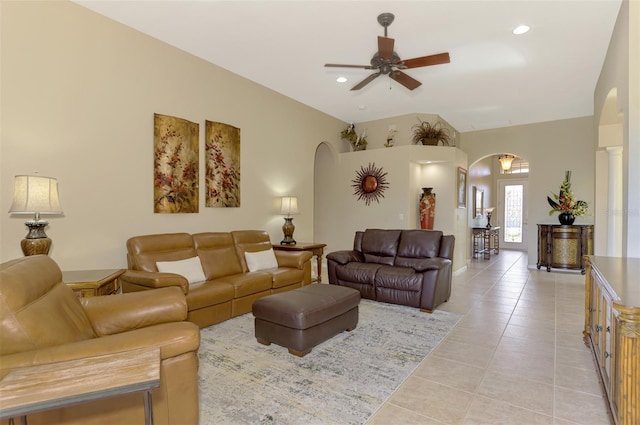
[358,141]
[564,202]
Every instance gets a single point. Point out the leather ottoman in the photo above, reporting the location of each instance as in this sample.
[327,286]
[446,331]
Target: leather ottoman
[305,317]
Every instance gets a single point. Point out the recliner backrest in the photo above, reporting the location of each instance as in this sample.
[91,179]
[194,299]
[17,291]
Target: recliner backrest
[420,243]
[217,254]
[143,252]
[37,309]
[380,245]
[250,241]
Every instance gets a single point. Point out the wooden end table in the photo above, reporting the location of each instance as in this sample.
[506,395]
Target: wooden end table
[34,389]
[91,283]
[316,249]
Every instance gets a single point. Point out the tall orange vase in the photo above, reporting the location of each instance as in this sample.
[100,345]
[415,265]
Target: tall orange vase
[427,208]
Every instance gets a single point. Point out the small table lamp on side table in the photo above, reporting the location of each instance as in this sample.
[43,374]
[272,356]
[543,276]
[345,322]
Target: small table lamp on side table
[289,206]
[35,195]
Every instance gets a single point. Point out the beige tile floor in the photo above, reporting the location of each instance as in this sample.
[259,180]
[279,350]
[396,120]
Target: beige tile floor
[515,357]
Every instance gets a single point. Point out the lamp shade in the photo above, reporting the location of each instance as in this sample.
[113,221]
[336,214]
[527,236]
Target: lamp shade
[36,195]
[505,161]
[289,205]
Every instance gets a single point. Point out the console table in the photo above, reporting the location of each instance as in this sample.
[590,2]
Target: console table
[612,330]
[484,240]
[564,247]
[37,388]
[316,249]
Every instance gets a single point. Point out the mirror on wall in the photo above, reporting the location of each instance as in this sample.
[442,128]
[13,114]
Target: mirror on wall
[478,201]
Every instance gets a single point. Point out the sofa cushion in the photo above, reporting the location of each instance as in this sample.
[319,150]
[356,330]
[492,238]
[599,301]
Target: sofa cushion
[190,268]
[358,272]
[209,293]
[380,246]
[261,260]
[419,243]
[250,241]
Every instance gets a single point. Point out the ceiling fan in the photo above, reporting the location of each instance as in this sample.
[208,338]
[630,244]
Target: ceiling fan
[387,62]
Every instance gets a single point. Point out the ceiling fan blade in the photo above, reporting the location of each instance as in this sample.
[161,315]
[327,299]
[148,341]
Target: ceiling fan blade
[385,48]
[438,59]
[366,81]
[405,80]
[336,65]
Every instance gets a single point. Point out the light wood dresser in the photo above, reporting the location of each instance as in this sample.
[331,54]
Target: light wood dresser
[612,330]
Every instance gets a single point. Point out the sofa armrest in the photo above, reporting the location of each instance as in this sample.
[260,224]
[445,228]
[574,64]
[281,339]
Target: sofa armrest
[154,280]
[344,257]
[173,339]
[293,259]
[125,312]
[446,246]
[422,264]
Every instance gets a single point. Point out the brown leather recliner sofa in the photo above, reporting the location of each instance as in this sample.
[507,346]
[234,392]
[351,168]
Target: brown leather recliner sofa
[43,322]
[230,288]
[407,267]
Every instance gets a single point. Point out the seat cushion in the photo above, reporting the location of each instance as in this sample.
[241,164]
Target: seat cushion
[307,306]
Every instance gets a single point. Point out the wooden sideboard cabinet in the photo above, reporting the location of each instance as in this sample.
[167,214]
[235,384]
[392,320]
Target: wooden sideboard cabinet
[612,330]
[564,247]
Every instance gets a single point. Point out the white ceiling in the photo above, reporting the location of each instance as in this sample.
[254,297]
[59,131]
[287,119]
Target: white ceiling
[495,79]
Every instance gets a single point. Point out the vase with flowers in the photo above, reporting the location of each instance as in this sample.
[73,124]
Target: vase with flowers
[358,141]
[565,204]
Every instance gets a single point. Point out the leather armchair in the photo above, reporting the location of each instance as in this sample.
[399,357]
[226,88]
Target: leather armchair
[42,321]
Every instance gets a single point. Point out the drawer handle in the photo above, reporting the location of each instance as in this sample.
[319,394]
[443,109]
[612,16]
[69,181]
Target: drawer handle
[598,328]
[609,329]
[606,355]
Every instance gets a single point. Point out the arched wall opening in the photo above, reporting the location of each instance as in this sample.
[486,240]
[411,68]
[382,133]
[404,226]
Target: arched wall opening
[608,202]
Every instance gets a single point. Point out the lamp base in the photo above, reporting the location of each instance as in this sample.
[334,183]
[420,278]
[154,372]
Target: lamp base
[36,242]
[35,246]
[288,228]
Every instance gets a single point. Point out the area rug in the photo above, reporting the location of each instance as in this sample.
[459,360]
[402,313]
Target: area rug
[342,381]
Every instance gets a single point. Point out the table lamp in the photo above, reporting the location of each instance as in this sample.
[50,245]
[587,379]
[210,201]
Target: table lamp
[35,195]
[289,206]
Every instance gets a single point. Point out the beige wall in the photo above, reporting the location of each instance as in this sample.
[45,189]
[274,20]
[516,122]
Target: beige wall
[78,96]
[550,148]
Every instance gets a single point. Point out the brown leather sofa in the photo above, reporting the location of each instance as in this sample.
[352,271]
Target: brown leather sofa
[43,322]
[407,267]
[230,288]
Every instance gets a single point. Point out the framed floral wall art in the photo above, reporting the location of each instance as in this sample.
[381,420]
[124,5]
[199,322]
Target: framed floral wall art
[175,168]
[222,165]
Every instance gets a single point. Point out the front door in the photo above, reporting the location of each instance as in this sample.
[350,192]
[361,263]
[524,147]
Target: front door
[512,214]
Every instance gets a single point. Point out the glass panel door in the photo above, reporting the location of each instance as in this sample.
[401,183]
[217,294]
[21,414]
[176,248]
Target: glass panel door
[512,214]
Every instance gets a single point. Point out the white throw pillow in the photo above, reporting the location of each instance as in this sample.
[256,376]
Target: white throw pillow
[190,268]
[261,260]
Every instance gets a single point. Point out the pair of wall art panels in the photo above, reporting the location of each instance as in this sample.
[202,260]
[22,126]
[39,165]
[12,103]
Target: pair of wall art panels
[176,165]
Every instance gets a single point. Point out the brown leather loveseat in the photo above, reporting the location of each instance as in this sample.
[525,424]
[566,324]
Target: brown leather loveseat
[407,267]
[42,322]
[228,288]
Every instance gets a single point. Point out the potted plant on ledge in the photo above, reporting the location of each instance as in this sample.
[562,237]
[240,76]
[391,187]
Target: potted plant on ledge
[358,141]
[430,134]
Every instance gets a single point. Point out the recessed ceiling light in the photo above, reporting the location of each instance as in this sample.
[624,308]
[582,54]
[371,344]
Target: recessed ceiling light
[341,79]
[521,29]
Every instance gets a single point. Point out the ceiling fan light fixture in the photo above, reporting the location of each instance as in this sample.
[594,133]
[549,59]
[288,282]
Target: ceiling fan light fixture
[341,79]
[521,29]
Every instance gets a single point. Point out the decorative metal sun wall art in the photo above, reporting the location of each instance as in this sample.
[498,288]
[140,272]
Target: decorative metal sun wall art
[370,183]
